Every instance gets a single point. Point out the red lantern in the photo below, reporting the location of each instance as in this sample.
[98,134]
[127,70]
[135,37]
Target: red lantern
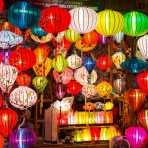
[73,87]
[54,19]
[22,58]
[65,44]
[2,6]
[8,120]
[95,133]
[23,79]
[104,63]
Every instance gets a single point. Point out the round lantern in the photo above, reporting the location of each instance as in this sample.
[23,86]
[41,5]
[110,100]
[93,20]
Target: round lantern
[22,59]
[60,90]
[108,106]
[23,97]
[104,63]
[22,138]
[23,79]
[118,37]
[109,22]
[135,23]
[142,44]
[8,120]
[104,89]
[38,31]
[54,19]
[119,85]
[136,136]
[83,19]
[23,14]
[73,87]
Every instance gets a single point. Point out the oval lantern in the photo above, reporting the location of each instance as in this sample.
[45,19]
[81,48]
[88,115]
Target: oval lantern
[23,14]
[23,97]
[119,85]
[54,19]
[142,44]
[135,23]
[109,22]
[23,79]
[60,90]
[118,37]
[38,31]
[8,120]
[83,19]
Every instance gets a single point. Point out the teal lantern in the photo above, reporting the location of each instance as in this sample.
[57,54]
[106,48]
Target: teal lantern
[135,23]
[23,14]
[38,31]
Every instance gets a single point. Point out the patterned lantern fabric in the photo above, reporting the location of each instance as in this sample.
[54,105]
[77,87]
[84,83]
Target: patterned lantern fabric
[23,79]
[23,97]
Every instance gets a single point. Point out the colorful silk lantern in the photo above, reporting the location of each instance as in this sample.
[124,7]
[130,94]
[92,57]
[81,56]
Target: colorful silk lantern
[109,22]
[60,90]
[78,136]
[135,23]
[54,19]
[119,85]
[22,137]
[83,19]
[118,37]
[38,31]
[86,134]
[95,133]
[136,136]
[23,79]
[142,44]
[23,97]
[108,106]
[23,14]
[8,120]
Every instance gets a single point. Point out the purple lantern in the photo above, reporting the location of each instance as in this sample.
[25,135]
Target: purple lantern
[60,90]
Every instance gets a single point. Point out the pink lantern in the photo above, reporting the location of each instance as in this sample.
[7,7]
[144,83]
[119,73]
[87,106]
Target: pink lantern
[60,90]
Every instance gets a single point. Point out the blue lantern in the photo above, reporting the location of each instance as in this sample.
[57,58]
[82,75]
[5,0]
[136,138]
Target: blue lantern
[38,31]
[23,14]
[134,65]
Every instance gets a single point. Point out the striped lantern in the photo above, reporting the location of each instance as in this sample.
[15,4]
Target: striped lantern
[119,85]
[142,44]
[118,37]
[83,19]
[109,22]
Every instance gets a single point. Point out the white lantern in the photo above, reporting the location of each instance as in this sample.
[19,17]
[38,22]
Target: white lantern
[142,44]
[118,37]
[23,97]
[83,19]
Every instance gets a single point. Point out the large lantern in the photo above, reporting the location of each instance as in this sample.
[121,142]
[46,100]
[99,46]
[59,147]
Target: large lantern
[83,19]
[54,19]
[109,22]
[8,120]
[23,79]
[23,97]
[23,14]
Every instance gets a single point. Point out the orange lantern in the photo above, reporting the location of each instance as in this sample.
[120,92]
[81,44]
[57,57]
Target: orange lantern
[23,79]
[89,106]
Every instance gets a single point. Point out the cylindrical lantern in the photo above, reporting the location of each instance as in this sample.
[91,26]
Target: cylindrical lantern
[119,85]
[83,19]
[23,79]
[60,90]
[109,22]
[118,37]
[95,133]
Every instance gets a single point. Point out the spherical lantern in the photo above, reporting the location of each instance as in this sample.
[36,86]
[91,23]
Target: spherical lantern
[119,85]
[38,31]
[83,19]
[142,44]
[104,63]
[22,59]
[135,23]
[22,138]
[118,37]
[8,120]
[23,97]
[60,90]
[54,19]
[23,14]
[136,136]
[109,22]
[23,79]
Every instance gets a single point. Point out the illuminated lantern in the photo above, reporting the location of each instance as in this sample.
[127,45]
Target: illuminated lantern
[78,136]
[103,134]
[83,19]
[104,63]
[109,22]
[86,134]
[119,85]
[8,120]
[95,133]
[22,137]
[118,37]
[136,136]
[64,44]
[22,59]
[142,44]
[71,35]
[1,141]
[108,106]
[112,132]
[74,61]
[23,97]
[60,90]
[89,106]
[135,23]
[38,31]
[134,65]
[73,87]
[54,19]
[23,79]
[104,89]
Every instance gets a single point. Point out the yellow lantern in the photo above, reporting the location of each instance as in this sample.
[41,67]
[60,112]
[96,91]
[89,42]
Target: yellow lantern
[112,132]
[103,134]
[78,136]
[108,106]
[109,22]
[86,134]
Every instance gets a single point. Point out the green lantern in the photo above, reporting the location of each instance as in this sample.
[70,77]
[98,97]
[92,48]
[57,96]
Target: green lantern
[135,23]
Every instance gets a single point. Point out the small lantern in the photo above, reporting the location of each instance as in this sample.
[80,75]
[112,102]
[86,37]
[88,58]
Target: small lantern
[23,79]
[108,106]
[89,106]
[60,90]
[119,85]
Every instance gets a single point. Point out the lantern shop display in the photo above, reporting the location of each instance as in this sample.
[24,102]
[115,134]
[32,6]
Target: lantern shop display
[119,37]
[119,85]
[23,79]
[60,90]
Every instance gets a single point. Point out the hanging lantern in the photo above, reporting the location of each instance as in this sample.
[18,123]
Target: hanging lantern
[2,140]
[73,87]
[23,79]
[136,136]
[23,97]
[108,106]
[104,63]
[83,19]
[109,22]
[38,31]
[119,85]
[54,19]
[23,14]
[95,133]
[22,58]
[22,138]
[118,37]
[135,23]
[104,89]
[60,90]
[8,120]
[142,44]
[78,136]
[86,134]
[89,106]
